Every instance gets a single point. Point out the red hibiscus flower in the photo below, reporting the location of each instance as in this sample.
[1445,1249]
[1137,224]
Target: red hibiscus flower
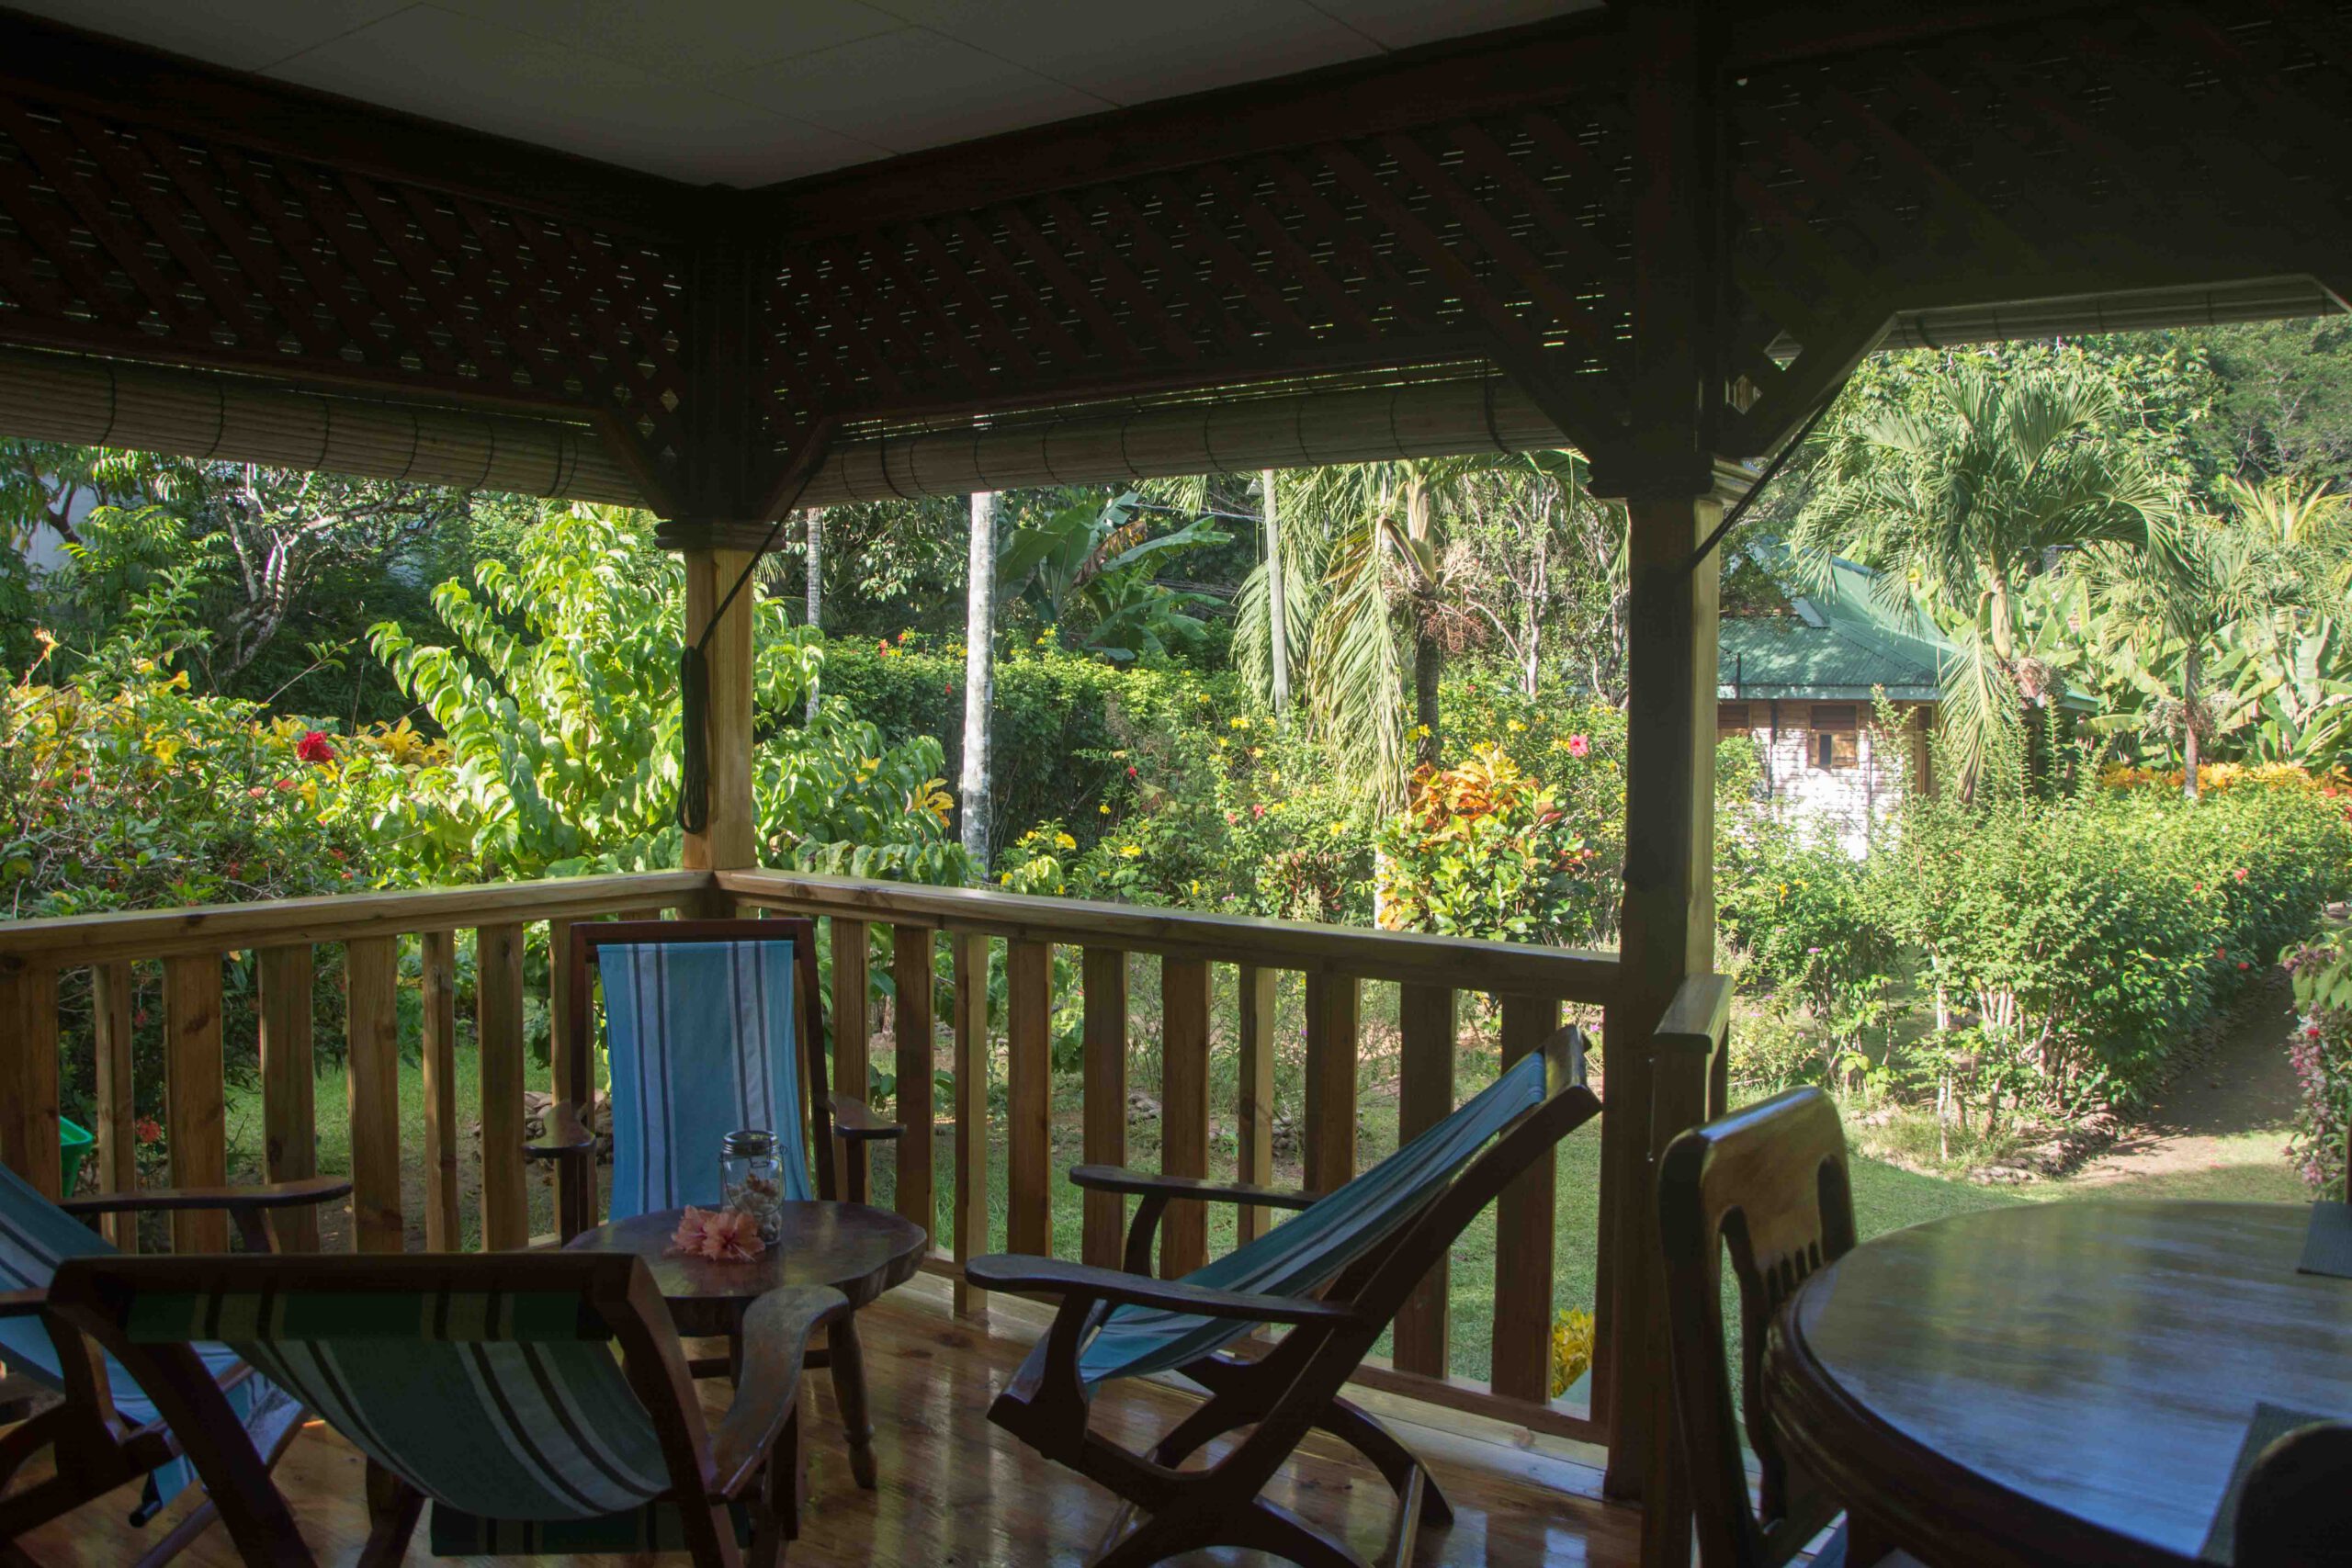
[313,748]
[148,1131]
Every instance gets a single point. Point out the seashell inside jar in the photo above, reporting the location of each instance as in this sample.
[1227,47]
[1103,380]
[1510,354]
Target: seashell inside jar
[751,1178]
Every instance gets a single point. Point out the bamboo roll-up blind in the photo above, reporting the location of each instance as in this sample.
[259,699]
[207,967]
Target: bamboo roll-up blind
[1237,435]
[187,413]
[2256,299]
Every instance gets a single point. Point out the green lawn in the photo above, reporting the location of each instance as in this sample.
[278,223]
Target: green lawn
[1885,1197]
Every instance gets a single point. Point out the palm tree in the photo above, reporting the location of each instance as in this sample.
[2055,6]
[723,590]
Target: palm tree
[1371,603]
[1991,478]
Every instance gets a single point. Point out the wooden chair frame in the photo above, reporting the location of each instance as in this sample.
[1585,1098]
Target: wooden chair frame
[1771,1182]
[752,1459]
[1292,1389]
[97,1448]
[836,1121]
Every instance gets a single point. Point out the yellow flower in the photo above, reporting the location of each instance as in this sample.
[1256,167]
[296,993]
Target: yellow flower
[1239,721]
[1104,808]
[1065,841]
[1130,851]
[1571,1349]
[1257,750]
[1515,727]
[1338,828]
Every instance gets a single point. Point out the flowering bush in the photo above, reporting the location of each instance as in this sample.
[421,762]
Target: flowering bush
[2322,1052]
[1483,850]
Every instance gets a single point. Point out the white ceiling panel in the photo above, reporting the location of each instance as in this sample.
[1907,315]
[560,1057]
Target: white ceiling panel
[750,92]
[909,90]
[1401,24]
[1131,54]
[246,36]
[690,41]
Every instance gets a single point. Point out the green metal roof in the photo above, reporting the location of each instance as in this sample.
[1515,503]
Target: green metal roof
[1837,645]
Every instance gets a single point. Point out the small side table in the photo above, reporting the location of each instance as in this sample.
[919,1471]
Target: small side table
[858,1251]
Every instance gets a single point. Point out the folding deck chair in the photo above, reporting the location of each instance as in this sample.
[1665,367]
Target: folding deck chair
[1334,1277]
[108,1431]
[539,1401]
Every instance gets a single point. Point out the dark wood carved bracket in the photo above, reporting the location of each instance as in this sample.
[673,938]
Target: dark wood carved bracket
[1677,244]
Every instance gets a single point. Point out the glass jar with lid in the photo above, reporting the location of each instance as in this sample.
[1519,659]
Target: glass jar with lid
[751,1178]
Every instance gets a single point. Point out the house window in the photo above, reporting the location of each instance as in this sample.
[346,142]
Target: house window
[1836,736]
[1731,717]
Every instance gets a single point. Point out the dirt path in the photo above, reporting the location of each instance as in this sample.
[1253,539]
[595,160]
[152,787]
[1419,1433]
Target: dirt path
[2220,1129]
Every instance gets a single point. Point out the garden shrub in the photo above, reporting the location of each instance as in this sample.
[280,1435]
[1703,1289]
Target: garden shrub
[2081,939]
[1059,717]
[1808,920]
[1483,850]
[2322,1052]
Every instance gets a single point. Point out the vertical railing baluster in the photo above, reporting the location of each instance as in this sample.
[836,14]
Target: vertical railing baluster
[372,1074]
[112,995]
[287,976]
[1254,1093]
[911,975]
[853,1029]
[1425,1097]
[498,1027]
[439,970]
[28,1075]
[1183,1108]
[559,1069]
[1334,1007]
[1103,973]
[1029,1100]
[194,1112]
[1521,1356]
[971,1214]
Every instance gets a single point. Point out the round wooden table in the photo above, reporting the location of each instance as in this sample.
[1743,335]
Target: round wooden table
[858,1251]
[2057,1381]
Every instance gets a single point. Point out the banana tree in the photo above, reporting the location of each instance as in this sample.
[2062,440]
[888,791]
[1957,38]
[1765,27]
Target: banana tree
[1091,574]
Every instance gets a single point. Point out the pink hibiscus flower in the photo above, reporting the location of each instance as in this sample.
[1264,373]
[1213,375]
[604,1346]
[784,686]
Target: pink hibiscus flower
[1578,745]
[724,1236]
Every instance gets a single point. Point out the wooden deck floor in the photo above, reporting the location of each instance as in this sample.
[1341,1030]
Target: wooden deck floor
[957,1490]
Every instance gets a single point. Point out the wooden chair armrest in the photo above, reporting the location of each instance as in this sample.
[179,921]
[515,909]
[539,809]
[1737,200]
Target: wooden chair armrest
[1073,1281]
[566,1134]
[261,1195]
[776,1331]
[1118,1178]
[856,1122]
[22,1304]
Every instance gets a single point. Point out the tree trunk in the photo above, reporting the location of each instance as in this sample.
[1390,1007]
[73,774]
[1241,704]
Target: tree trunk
[2189,723]
[1428,664]
[1277,606]
[816,588]
[979,678]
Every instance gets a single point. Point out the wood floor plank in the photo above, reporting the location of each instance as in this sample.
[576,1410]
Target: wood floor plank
[954,1489]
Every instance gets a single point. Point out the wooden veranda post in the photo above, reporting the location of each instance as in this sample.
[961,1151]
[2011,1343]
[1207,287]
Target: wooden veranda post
[729,840]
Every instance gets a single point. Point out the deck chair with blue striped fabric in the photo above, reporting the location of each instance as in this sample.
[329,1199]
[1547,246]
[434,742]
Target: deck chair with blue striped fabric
[108,1431]
[710,1026]
[1333,1277]
[539,1401]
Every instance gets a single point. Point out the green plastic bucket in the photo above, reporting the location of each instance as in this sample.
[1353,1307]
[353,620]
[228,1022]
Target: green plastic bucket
[74,1143]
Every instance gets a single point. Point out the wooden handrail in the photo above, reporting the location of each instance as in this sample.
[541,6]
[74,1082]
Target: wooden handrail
[75,940]
[1463,963]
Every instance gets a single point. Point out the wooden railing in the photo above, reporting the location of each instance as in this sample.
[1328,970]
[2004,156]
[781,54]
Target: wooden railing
[1530,983]
[192,947]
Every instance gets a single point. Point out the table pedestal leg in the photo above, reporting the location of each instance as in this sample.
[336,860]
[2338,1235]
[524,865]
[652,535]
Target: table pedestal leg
[849,1391]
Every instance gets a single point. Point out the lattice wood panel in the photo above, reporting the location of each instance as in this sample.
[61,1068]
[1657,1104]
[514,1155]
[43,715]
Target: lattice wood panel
[1505,237]
[123,238]
[2083,154]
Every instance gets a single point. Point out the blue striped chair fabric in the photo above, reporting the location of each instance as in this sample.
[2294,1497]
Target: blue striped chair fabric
[511,1406]
[1307,1252]
[702,1040]
[35,1236]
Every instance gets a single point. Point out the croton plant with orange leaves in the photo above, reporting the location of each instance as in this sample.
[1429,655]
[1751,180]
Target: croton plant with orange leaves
[1484,850]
